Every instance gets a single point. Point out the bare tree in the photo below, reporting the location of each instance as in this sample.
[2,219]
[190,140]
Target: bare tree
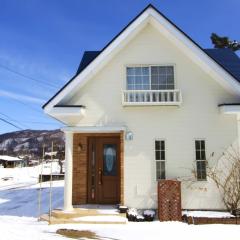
[226,175]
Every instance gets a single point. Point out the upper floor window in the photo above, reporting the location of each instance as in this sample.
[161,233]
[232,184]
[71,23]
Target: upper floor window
[150,78]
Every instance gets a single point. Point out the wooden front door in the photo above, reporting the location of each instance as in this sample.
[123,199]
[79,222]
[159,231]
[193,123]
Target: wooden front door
[104,170]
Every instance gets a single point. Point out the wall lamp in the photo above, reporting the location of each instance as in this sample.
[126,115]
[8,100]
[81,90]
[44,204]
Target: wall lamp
[129,136]
[80,147]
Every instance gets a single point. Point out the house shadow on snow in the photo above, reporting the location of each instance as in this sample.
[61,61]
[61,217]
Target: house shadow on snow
[24,201]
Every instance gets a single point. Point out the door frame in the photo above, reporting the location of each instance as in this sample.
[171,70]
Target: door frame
[120,170]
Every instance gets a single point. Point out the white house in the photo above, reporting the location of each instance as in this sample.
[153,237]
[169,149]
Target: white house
[150,105]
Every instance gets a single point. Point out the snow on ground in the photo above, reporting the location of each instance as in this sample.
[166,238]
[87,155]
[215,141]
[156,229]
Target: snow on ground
[13,228]
[23,201]
[18,176]
[19,195]
[208,214]
[25,176]
[18,216]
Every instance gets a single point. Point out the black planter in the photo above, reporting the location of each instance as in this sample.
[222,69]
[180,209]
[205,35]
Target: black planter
[149,217]
[123,209]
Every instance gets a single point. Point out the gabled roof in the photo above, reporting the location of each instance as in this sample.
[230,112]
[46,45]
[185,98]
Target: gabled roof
[206,58]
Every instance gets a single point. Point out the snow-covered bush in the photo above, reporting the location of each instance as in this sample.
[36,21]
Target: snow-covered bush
[140,218]
[134,215]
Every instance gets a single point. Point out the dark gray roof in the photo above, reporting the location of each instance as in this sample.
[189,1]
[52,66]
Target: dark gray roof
[87,58]
[228,59]
[224,57]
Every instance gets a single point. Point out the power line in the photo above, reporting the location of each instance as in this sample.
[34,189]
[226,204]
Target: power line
[21,123]
[47,123]
[14,120]
[28,77]
[6,121]
[27,105]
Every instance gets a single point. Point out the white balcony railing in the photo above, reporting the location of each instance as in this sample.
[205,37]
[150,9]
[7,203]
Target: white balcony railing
[151,97]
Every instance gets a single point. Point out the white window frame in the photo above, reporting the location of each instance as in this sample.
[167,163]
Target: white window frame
[204,160]
[155,160]
[150,76]
[139,66]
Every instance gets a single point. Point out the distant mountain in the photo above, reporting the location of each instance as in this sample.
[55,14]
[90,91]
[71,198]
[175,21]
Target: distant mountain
[30,142]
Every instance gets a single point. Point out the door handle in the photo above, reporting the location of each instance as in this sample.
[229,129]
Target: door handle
[100,176]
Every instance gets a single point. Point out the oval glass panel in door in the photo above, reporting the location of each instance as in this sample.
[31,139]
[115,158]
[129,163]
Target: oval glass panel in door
[110,160]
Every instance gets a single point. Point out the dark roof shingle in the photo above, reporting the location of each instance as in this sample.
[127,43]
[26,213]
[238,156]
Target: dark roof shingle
[227,58]
[87,58]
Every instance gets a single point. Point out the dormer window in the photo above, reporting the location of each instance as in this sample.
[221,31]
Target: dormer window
[150,78]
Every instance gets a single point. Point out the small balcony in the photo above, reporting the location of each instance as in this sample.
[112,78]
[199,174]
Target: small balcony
[151,97]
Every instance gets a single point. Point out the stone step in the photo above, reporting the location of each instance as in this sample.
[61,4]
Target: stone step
[99,219]
[81,212]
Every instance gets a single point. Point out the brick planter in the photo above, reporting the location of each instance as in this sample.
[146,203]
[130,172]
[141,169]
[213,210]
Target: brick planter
[205,220]
[169,200]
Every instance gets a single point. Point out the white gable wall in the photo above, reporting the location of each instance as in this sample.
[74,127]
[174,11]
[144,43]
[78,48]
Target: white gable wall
[197,117]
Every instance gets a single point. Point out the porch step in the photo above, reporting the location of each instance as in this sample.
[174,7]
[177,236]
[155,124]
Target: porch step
[106,219]
[84,212]
[90,214]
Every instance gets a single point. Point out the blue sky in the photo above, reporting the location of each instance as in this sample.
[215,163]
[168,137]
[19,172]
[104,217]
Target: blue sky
[45,39]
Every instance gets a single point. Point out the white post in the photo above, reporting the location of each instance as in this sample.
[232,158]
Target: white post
[68,171]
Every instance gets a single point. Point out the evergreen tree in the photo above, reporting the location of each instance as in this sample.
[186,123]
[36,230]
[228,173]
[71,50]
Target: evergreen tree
[224,42]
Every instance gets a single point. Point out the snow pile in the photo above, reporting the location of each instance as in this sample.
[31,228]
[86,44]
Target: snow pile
[150,213]
[207,214]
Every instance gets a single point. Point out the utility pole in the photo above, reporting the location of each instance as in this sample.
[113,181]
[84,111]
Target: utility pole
[50,190]
[40,181]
